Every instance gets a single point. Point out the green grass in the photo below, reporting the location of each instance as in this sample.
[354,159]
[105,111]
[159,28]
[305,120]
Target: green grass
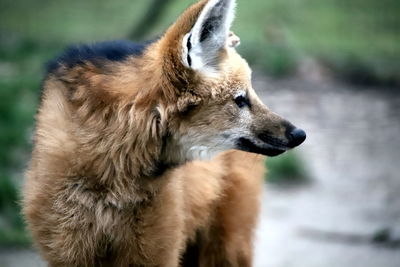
[286,169]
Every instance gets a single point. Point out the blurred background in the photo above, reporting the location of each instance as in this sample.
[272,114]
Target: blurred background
[331,67]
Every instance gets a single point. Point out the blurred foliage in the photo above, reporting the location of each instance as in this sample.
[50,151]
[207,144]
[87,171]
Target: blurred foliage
[357,39]
[287,169]
[12,230]
[20,75]
[154,11]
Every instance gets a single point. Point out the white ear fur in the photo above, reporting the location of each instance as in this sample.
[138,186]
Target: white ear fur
[201,46]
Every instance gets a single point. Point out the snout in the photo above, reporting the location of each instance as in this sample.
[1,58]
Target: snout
[272,144]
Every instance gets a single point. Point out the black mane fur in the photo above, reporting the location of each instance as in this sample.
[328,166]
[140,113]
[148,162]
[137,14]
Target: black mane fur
[97,52]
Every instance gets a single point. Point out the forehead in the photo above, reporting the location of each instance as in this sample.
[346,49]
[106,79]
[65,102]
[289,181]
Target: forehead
[234,74]
[237,68]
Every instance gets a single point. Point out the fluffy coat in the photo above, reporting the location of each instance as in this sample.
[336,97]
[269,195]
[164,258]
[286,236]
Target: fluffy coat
[116,177]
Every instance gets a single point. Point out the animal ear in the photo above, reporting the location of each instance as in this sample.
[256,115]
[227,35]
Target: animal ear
[203,44]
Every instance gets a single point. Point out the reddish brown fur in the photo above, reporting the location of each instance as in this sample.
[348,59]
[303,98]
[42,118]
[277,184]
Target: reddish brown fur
[90,198]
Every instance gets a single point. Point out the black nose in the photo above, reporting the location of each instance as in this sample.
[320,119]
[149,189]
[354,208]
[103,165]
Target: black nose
[296,137]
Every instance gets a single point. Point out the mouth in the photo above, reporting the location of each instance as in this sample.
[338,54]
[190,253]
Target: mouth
[249,146]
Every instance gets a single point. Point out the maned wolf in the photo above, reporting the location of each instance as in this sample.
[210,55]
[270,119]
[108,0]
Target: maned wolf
[126,169]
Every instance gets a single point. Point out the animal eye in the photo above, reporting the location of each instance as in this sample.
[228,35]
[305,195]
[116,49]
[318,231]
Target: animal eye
[242,101]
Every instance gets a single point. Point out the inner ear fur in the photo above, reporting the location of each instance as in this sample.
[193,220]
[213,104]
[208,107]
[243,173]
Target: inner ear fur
[203,44]
[196,39]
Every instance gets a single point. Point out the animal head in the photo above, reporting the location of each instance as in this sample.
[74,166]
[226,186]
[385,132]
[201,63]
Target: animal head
[217,108]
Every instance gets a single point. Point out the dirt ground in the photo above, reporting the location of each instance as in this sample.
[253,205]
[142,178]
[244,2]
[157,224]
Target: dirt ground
[351,153]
